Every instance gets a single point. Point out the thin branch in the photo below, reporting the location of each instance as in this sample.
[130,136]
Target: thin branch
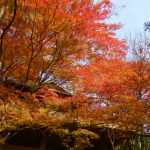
[7,27]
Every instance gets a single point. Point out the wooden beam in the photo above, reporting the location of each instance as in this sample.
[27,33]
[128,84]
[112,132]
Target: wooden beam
[43,142]
[14,147]
[2,147]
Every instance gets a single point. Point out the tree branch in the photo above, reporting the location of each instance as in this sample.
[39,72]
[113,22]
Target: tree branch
[7,27]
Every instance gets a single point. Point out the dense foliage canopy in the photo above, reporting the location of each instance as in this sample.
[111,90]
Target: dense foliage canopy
[69,43]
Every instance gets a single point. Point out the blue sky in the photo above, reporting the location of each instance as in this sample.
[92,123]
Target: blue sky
[132,16]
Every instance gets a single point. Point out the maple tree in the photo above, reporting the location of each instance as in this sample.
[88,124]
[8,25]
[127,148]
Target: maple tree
[55,35]
[118,89]
[69,42]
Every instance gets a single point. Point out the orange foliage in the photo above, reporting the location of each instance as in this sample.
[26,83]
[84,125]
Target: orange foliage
[69,41]
[56,34]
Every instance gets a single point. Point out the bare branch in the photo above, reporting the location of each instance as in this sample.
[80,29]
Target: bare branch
[7,27]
